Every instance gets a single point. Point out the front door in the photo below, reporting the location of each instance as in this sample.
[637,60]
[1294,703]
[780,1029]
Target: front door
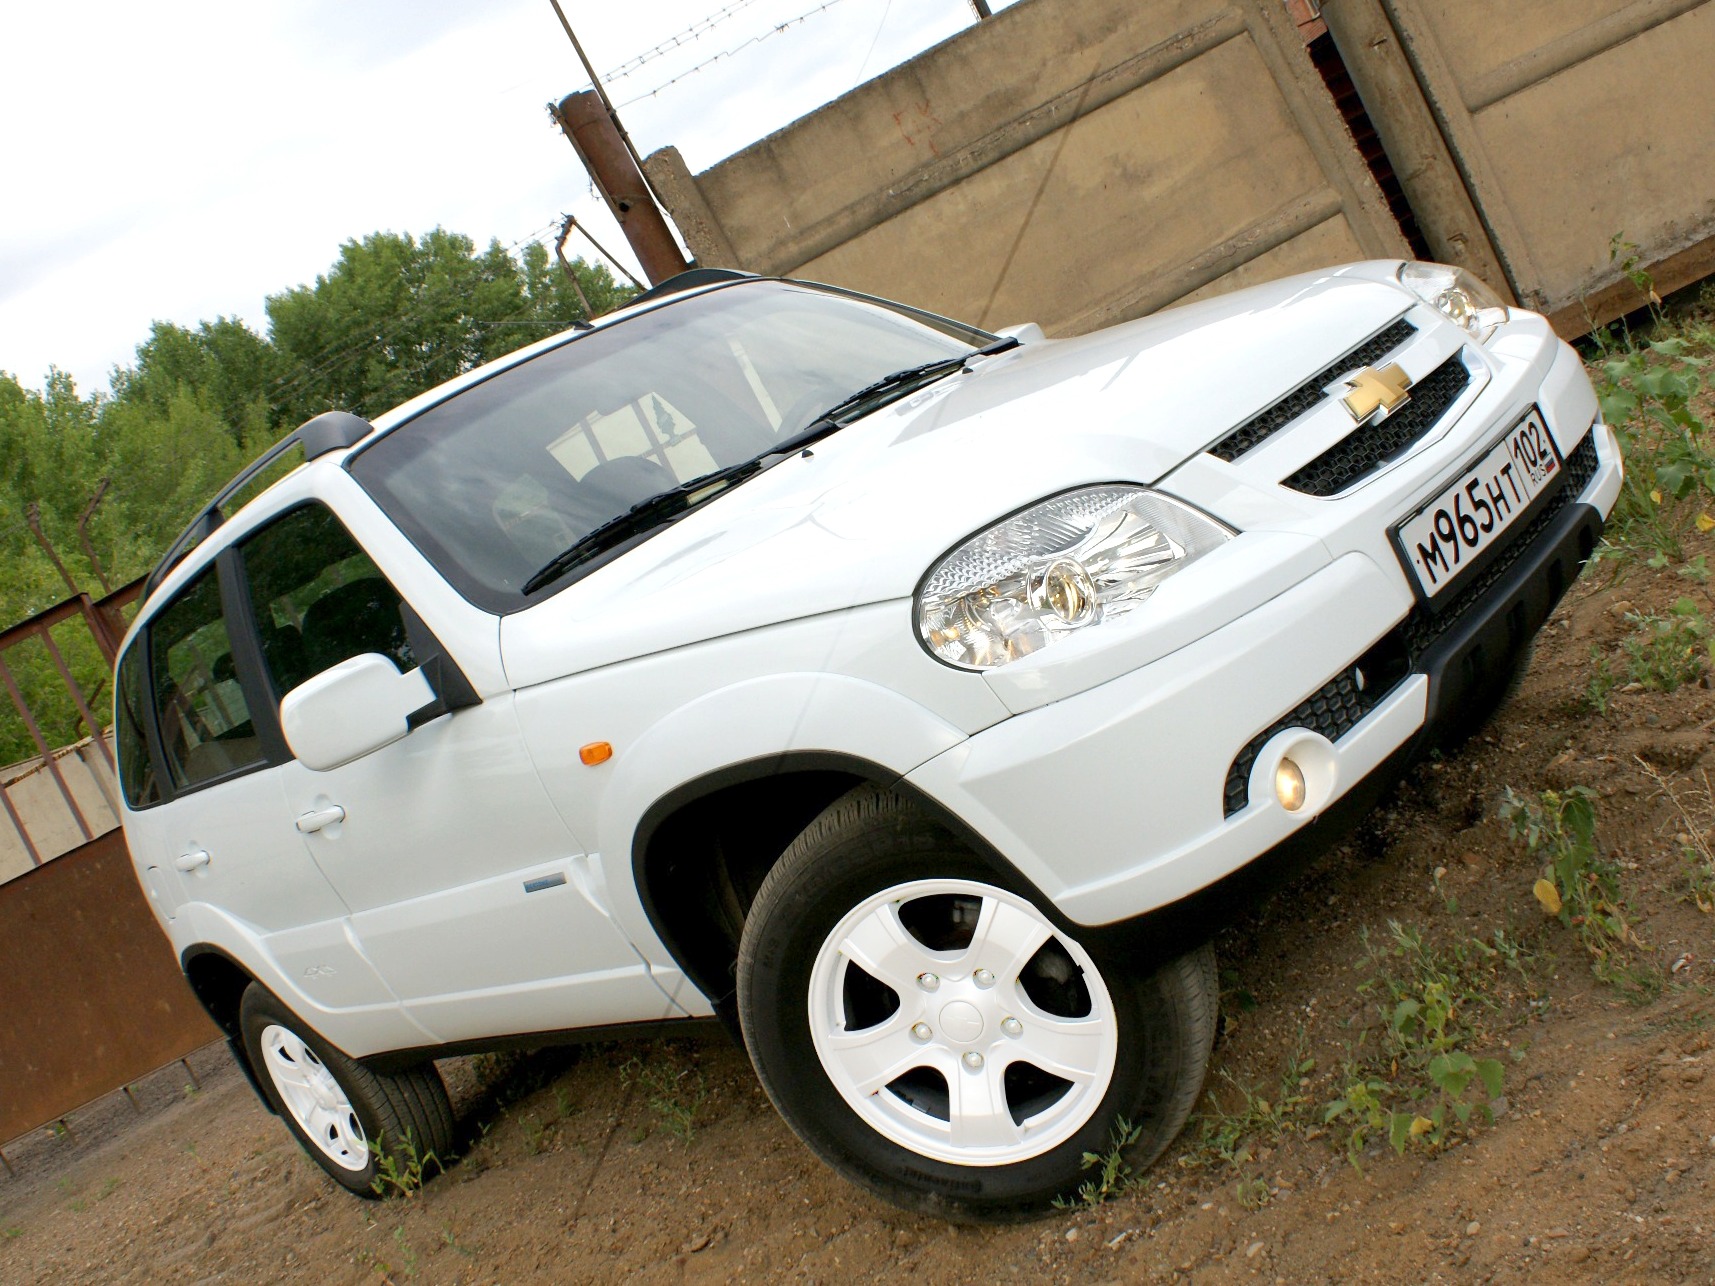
[461,877]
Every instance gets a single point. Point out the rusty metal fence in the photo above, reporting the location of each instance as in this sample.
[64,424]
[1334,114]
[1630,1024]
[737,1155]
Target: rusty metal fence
[68,794]
[93,998]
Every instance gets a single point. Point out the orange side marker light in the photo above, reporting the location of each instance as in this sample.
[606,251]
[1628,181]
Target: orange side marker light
[597,752]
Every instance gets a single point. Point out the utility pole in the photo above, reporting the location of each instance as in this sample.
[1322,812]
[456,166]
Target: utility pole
[593,126]
[587,123]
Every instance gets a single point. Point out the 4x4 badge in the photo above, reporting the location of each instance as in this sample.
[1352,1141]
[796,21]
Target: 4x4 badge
[1374,390]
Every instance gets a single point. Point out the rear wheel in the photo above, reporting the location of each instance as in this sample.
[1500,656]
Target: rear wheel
[363,1127]
[936,1037]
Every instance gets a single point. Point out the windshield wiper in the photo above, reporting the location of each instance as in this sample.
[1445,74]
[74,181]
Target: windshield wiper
[667,505]
[907,380]
[642,516]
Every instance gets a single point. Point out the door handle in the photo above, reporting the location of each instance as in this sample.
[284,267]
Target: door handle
[317,818]
[191,860]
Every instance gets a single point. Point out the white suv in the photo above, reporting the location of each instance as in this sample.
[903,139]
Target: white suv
[914,699]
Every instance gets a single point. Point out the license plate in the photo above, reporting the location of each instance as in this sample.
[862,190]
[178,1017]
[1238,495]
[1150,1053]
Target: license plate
[1452,531]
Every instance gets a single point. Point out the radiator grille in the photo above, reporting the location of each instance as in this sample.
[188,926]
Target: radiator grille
[1276,416]
[1370,446]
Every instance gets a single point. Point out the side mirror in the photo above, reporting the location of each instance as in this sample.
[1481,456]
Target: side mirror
[349,711]
[1024,333]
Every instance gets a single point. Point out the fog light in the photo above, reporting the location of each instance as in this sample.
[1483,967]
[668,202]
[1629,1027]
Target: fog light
[1289,786]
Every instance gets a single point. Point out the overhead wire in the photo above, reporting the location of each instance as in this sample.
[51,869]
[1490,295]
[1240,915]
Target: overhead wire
[777,29]
[690,35]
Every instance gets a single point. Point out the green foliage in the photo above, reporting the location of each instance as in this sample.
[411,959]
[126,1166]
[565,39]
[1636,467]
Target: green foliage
[1416,1086]
[401,1169]
[1229,1135]
[1649,390]
[1577,885]
[1663,653]
[393,316]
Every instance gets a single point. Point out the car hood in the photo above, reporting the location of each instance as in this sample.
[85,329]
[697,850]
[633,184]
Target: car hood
[860,517]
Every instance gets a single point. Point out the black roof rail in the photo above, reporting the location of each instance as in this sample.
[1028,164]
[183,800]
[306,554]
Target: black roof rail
[329,431]
[690,279]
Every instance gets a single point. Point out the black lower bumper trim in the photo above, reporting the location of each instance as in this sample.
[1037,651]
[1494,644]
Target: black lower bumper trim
[1469,661]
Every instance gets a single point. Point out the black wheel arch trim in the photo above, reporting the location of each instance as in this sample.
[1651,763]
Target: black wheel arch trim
[226,1022]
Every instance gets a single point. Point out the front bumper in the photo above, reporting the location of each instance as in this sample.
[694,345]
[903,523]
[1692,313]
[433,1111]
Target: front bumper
[1137,793]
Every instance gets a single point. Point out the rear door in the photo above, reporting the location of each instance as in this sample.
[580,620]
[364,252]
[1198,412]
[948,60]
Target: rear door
[209,797]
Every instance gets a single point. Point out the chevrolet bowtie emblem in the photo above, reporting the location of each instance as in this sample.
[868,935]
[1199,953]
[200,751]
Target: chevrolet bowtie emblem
[1374,390]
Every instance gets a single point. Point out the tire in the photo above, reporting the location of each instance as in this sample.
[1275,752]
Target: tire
[932,1035]
[361,1126]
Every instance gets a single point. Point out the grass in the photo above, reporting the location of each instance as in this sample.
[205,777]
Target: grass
[1653,393]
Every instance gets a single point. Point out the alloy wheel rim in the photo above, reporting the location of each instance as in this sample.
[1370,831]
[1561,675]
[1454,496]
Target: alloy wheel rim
[980,1062]
[319,1105]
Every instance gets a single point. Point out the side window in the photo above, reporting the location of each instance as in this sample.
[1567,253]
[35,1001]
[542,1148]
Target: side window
[319,599]
[136,768]
[205,721]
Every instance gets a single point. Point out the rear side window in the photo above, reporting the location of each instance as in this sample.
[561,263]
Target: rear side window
[205,722]
[319,599]
[136,767]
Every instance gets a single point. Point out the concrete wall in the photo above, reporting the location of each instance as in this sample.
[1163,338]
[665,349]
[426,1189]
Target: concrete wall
[41,807]
[1568,122]
[1069,162]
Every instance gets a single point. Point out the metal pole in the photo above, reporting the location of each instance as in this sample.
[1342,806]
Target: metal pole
[566,264]
[83,534]
[47,751]
[982,8]
[572,223]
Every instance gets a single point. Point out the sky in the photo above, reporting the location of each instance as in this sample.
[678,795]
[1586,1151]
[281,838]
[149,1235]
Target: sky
[182,159]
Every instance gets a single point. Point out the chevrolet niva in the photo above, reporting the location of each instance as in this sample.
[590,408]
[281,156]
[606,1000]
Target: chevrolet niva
[911,698]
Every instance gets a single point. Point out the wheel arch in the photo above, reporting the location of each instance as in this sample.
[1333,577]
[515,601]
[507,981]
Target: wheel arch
[700,852]
[218,982]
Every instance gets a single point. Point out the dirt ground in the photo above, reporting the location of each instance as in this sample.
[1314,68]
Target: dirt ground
[1599,1164]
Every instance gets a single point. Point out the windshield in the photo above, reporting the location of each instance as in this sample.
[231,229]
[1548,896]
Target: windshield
[500,479]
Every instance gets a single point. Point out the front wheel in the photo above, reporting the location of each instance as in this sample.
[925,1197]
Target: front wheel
[370,1131]
[937,1038]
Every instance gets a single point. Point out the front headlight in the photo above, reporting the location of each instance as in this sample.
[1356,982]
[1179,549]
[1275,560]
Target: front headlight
[1460,297]
[1065,564]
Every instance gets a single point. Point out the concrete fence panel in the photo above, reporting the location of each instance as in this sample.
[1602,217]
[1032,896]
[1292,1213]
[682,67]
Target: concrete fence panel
[1568,123]
[1069,162]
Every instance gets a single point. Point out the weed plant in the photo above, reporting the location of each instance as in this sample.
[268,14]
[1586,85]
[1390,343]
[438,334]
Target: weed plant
[1419,1084]
[401,1170]
[1113,1172]
[674,1092]
[1578,886]
[1651,390]
[1663,654]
